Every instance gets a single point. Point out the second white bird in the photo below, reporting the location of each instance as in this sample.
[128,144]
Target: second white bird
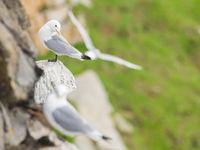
[95,53]
[62,116]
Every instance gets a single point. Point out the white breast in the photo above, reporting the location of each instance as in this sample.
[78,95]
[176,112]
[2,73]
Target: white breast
[43,34]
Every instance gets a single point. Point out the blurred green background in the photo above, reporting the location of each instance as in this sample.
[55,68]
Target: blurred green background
[162,101]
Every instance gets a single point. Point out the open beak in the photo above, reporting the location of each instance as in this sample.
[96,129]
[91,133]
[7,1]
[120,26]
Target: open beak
[58,32]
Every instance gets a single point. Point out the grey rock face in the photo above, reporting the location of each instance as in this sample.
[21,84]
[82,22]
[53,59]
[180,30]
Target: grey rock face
[16,133]
[37,130]
[18,11]
[54,72]
[18,73]
[13,126]
[17,53]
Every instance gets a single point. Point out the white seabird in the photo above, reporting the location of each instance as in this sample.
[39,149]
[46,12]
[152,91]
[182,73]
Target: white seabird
[95,53]
[63,117]
[51,38]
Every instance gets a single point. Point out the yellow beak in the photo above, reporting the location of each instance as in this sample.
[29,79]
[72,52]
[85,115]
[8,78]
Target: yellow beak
[58,32]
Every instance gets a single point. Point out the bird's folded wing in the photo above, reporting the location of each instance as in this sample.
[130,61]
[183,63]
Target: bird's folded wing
[119,61]
[70,120]
[60,46]
[83,32]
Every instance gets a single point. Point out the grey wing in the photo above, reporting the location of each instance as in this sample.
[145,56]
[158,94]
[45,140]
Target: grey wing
[119,61]
[70,121]
[61,47]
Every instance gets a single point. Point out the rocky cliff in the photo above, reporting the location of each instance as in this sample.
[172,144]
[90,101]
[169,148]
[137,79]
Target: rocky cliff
[17,52]
[22,124]
[21,120]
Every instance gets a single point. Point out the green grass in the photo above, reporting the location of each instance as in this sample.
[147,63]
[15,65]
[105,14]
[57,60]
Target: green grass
[163,100]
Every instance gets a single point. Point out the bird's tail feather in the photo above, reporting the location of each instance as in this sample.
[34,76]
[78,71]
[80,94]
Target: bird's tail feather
[85,57]
[98,136]
[106,138]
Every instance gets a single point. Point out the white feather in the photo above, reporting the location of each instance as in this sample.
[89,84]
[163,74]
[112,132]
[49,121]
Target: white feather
[119,61]
[94,52]
[67,120]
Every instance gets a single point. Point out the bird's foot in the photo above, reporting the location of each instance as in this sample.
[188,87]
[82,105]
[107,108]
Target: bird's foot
[52,60]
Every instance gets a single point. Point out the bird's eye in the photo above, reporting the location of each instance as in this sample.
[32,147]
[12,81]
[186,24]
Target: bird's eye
[55,25]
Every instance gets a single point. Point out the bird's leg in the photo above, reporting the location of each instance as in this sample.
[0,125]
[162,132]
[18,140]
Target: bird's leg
[56,58]
[62,138]
[53,60]
[65,138]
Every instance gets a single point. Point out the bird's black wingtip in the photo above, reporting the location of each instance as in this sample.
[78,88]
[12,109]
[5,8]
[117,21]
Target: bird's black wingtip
[106,138]
[85,57]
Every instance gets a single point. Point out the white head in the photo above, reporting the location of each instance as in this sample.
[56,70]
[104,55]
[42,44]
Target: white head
[54,26]
[61,91]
